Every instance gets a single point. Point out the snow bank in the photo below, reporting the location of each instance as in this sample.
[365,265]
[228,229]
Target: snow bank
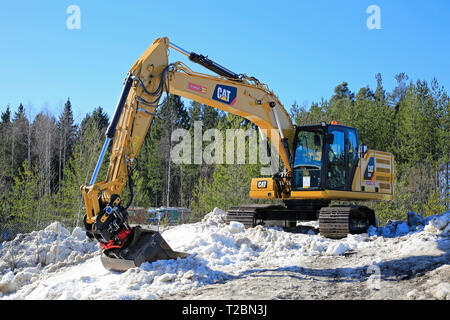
[442,291]
[439,224]
[436,224]
[47,262]
[337,249]
[27,256]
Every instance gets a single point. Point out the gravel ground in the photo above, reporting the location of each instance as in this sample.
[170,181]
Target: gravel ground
[372,273]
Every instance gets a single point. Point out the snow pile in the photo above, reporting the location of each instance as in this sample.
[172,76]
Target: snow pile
[215,217]
[337,249]
[442,291]
[218,252]
[436,224]
[27,256]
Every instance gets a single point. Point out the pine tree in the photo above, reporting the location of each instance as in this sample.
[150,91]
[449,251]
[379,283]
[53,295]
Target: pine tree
[19,146]
[6,116]
[383,117]
[66,134]
[5,146]
[340,101]
[99,117]
[78,171]
[24,200]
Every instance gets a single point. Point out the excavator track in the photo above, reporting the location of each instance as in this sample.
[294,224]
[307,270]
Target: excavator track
[266,214]
[333,222]
[337,222]
[246,215]
[246,218]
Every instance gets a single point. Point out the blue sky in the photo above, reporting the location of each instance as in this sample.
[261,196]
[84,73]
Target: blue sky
[300,49]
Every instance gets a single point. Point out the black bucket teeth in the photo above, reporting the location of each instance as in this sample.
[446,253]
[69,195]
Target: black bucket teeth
[146,246]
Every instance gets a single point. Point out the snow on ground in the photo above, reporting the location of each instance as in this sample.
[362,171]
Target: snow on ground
[56,264]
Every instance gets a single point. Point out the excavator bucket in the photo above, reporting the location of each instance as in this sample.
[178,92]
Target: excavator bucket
[146,246]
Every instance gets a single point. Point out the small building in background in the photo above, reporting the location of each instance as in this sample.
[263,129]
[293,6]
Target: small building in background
[156,216]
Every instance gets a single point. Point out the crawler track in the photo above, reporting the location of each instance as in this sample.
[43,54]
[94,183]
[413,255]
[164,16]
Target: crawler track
[248,215]
[335,222]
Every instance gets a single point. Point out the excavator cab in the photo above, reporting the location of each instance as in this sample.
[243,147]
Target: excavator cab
[325,157]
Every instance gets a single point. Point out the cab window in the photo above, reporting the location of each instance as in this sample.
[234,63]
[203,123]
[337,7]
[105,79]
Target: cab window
[352,141]
[308,160]
[336,167]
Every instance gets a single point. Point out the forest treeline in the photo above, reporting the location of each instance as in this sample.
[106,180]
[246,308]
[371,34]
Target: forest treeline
[45,160]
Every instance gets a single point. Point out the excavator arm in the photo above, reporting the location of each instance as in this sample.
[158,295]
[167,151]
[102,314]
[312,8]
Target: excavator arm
[245,97]
[150,77]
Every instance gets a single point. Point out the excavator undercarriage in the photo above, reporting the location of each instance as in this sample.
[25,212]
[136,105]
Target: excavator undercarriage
[335,222]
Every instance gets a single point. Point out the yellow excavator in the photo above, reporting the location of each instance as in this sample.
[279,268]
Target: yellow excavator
[322,162]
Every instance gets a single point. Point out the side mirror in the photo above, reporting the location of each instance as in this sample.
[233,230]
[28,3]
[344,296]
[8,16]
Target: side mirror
[362,150]
[330,138]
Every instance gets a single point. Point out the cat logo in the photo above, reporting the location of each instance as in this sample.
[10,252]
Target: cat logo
[370,169]
[225,94]
[262,184]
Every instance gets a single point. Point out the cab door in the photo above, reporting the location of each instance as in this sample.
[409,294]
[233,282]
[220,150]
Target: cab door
[336,170]
[342,157]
